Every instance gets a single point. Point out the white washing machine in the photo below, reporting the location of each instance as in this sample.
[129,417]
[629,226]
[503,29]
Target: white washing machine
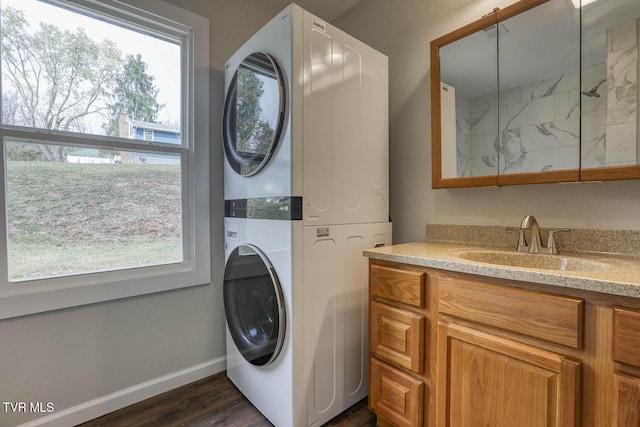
[306,187]
[296,306]
[306,121]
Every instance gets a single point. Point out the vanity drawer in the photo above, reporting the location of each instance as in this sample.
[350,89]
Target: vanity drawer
[398,336]
[626,336]
[553,318]
[395,395]
[404,286]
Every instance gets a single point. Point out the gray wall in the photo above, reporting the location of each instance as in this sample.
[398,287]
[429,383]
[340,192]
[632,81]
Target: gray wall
[76,355]
[402,30]
[72,356]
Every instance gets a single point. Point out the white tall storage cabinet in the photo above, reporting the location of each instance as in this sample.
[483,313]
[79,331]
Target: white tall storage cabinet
[327,177]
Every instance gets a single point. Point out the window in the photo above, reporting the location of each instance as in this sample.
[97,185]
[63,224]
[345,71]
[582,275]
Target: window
[148,135]
[104,152]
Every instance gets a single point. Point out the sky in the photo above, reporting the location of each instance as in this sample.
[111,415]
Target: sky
[162,57]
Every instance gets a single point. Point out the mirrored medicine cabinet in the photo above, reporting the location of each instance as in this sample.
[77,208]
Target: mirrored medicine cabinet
[541,91]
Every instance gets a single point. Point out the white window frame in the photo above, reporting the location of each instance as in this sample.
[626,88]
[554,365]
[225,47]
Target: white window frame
[147,134]
[35,296]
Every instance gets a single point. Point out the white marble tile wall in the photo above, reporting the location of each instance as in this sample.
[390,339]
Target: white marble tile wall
[540,131]
[483,155]
[594,114]
[539,127]
[476,140]
[621,139]
[463,130]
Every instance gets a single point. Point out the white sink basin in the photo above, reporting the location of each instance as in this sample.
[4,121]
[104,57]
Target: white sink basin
[535,261]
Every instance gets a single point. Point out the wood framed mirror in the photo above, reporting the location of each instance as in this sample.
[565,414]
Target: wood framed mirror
[505,98]
[452,86]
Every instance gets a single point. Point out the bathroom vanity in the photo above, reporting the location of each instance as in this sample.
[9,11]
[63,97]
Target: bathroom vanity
[458,339]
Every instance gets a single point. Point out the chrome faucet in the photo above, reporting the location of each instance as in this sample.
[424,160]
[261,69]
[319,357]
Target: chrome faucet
[529,223]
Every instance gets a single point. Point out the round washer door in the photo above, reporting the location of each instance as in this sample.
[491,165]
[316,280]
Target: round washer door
[254,305]
[253,114]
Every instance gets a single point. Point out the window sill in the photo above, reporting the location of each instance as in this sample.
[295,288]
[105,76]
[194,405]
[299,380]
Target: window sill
[24,298]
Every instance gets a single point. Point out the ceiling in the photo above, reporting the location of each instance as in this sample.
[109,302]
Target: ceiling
[324,9]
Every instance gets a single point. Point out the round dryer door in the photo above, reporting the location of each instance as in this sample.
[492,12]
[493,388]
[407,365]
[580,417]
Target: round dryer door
[254,305]
[253,114]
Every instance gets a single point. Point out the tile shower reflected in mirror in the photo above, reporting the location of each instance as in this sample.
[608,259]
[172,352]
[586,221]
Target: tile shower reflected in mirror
[469,102]
[539,69]
[610,73]
[510,95]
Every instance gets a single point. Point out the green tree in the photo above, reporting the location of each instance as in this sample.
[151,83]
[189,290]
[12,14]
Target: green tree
[134,94]
[54,79]
[252,134]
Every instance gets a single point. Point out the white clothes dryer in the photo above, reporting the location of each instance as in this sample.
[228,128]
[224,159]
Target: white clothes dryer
[306,191]
[297,316]
[306,122]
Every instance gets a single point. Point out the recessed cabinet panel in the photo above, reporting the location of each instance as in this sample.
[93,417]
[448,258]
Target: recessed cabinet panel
[626,410]
[396,396]
[398,335]
[485,380]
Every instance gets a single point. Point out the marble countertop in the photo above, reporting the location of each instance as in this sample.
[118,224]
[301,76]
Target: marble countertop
[620,275]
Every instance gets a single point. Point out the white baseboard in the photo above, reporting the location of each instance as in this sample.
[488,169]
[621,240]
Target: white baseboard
[103,405]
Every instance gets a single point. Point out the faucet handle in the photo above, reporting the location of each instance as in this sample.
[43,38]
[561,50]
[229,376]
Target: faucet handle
[522,240]
[551,241]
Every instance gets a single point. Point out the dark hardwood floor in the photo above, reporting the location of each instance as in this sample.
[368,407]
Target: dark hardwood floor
[212,401]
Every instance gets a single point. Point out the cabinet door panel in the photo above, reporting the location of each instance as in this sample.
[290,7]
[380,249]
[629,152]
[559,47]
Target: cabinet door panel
[626,410]
[395,395]
[487,380]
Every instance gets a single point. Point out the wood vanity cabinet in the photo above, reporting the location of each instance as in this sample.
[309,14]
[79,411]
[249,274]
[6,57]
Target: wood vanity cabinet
[397,344]
[485,379]
[457,350]
[626,351]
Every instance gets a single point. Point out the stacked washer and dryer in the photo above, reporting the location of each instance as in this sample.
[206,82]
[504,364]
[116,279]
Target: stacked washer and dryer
[306,191]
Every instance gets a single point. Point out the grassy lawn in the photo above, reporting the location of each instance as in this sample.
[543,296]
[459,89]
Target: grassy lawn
[69,218]
[31,260]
